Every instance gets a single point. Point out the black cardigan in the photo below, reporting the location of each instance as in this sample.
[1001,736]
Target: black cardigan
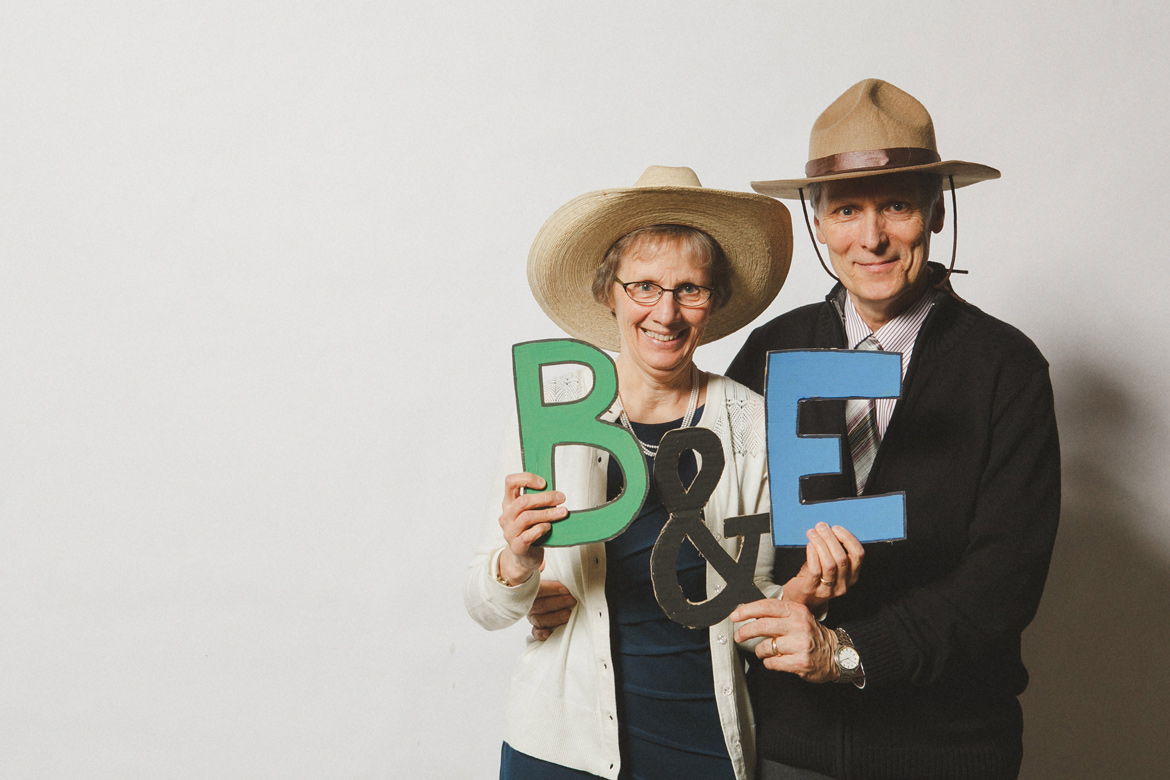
[936,617]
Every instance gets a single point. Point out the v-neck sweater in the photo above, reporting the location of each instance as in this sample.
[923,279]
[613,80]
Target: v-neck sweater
[937,617]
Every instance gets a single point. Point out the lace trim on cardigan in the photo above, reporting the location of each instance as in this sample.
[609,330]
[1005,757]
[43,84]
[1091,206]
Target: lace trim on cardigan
[566,387]
[745,414]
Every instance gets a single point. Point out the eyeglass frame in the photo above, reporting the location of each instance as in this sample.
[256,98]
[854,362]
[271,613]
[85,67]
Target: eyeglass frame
[672,290]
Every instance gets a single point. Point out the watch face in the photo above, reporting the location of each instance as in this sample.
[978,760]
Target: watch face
[848,659]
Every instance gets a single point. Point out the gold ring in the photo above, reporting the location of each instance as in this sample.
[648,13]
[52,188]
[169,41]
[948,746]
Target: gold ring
[774,650]
[830,583]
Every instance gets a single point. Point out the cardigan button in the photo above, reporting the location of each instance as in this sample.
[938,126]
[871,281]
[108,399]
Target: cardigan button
[721,639]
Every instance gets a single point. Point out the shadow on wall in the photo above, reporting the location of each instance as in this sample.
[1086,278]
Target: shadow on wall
[1099,649]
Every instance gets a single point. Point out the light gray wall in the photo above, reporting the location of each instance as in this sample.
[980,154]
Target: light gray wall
[261,265]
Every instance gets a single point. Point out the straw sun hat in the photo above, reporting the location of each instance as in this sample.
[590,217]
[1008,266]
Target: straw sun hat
[754,231]
[874,128]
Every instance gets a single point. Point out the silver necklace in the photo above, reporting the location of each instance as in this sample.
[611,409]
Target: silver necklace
[692,404]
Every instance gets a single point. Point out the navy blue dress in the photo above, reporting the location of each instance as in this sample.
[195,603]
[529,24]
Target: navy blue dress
[668,723]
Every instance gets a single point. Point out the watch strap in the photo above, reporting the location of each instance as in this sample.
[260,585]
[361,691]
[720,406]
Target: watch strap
[856,675]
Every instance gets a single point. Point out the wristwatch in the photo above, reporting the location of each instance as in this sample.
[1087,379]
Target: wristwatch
[848,660]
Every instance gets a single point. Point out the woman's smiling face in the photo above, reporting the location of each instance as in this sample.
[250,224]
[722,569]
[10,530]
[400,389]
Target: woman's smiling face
[660,339]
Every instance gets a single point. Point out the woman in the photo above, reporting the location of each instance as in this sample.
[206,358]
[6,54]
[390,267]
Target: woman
[652,271]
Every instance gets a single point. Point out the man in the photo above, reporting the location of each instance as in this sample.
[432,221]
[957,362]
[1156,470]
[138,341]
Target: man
[927,643]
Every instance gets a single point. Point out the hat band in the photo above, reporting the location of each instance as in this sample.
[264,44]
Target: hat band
[870,160]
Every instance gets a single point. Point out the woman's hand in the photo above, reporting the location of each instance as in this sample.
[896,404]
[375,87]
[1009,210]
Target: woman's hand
[832,565]
[525,519]
[793,640]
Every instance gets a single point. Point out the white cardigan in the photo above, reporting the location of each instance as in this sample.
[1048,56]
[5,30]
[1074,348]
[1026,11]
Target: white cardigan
[561,706]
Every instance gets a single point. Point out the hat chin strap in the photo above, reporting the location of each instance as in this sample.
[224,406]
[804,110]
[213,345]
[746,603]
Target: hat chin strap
[942,283]
[813,238]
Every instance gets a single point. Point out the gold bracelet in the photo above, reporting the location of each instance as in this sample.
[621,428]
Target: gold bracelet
[500,578]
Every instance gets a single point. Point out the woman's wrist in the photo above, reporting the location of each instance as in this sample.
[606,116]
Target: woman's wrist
[510,571]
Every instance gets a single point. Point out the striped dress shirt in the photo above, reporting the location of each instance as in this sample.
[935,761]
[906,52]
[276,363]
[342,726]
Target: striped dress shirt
[897,335]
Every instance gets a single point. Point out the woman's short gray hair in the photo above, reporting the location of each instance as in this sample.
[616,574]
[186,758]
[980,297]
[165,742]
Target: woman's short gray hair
[698,242]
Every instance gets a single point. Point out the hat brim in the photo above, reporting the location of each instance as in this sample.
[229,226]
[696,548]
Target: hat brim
[964,174]
[754,231]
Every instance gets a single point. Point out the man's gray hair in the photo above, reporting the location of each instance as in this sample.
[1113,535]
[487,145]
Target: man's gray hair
[929,190]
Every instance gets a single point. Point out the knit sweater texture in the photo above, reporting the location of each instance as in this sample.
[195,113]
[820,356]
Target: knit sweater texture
[936,617]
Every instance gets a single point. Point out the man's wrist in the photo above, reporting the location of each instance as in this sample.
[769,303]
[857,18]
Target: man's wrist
[847,660]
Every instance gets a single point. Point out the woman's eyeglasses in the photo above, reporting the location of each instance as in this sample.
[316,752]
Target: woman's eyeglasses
[692,296]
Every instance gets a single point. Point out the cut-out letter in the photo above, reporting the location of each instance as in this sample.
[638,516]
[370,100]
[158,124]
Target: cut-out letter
[797,375]
[544,426]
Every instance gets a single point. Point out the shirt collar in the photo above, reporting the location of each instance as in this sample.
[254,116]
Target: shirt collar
[897,335]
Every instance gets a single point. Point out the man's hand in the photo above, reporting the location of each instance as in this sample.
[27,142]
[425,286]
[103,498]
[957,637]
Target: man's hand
[832,565]
[793,640]
[551,609]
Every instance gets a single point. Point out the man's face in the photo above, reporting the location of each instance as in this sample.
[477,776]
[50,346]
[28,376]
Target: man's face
[877,231]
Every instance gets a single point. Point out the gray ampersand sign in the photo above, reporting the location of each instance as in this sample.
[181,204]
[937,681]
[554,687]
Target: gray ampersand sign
[686,522]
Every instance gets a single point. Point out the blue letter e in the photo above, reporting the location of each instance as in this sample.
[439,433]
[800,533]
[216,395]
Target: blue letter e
[797,375]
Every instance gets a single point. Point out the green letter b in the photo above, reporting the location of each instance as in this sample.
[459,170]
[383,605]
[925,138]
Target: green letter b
[544,426]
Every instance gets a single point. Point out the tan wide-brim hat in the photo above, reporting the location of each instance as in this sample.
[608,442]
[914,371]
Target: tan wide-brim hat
[873,129]
[754,231]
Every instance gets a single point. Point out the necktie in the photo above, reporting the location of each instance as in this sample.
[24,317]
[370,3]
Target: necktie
[861,427]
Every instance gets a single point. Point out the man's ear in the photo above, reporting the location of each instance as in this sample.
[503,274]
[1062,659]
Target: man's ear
[817,228]
[938,216]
